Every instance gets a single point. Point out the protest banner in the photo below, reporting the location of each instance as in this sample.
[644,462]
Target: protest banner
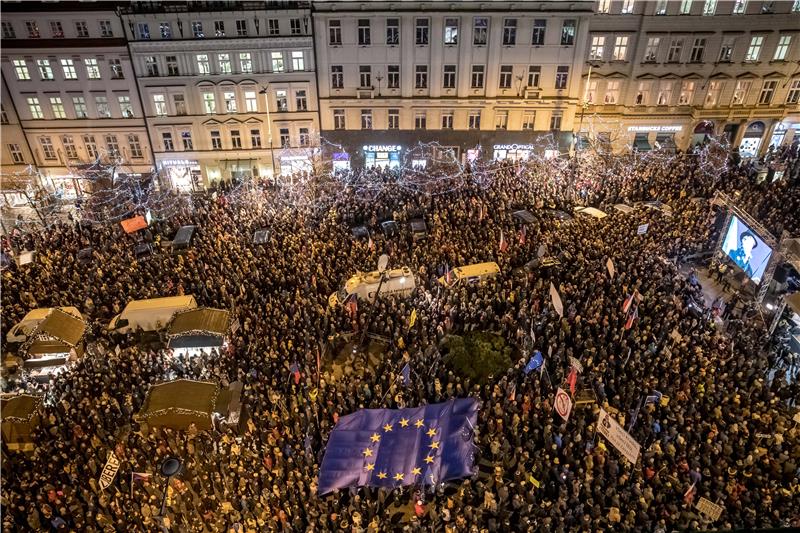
[563,404]
[610,267]
[641,230]
[709,508]
[109,471]
[618,437]
[556,299]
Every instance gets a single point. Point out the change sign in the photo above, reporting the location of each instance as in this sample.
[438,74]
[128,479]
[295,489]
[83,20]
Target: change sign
[109,471]
[618,437]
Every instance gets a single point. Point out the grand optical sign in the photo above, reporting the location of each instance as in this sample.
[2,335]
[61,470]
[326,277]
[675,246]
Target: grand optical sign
[670,129]
[382,147]
[513,147]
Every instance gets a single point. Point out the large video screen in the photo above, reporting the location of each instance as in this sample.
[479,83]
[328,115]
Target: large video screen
[746,249]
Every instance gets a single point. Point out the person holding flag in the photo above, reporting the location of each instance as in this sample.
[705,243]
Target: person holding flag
[503,242]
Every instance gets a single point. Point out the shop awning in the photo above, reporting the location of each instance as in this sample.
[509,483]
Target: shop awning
[177,404]
[197,328]
[641,144]
[61,326]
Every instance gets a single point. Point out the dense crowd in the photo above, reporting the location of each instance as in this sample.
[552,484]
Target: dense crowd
[537,472]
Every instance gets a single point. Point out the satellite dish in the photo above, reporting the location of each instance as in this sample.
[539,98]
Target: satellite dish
[383,262]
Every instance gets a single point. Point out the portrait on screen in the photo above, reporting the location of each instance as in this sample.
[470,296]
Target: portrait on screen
[746,249]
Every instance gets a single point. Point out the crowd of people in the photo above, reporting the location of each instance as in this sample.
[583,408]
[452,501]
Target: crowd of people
[723,430]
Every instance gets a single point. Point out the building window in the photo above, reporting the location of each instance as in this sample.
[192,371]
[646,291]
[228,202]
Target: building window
[392,31]
[421,77]
[555,121]
[301,100]
[209,103]
[166,139]
[186,141]
[365,76]
[305,137]
[501,120]
[474,120]
[506,73]
[709,8]
[675,48]
[796,6]
[143,31]
[534,74]
[33,29]
[422,29]
[364,37]
[79,103]
[45,72]
[69,147]
[603,6]
[273,27]
[642,93]
[754,50]
[539,29]
[651,51]
[92,69]
[255,138]
[335,32]
[509,32]
[687,93]
[767,7]
[172,66]
[241,28]
[277,61]
[101,103]
[480,31]
[449,77]
[229,100]
[3,115]
[782,48]
[219,28]
[568,32]
[224,62]
[251,101]
[726,50]
[793,96]
[562,76]
[116,69]
[125,107]
[741,91]
[57,107]
[112,145]
[166,30]
[295,27]
[712,95]
[284,137]
[106,29]
[620,48]
[8,30]
[203,65]
[151,65]
[337,77]
[477,76]
[686,7]
[366,119]
[179,102]
[612,92]
[451,31]
[338,119]
[216,140]
[236,139]
[596,49]
[197,30]
[529,120]
[420,120]
[48,150]
[34,107]
[661,7]
[767,91]
[591,91]
[91,146]
[394,119]
[447,120]
[627,7]
[56,30]
[664,96]
[281,100]
[298,63]
[739,7]
[698,50]
[16,153]
[68,66]
[393,76]
[245,63]
[135,146]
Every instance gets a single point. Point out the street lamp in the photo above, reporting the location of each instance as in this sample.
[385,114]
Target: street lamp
[269,128]
[169,467]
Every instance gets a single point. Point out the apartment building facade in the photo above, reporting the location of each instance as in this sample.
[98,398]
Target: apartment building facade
[479,79]
[679,71]
[69,94]
[229,88]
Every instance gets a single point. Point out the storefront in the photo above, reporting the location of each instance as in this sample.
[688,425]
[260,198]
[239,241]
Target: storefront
[240,169]
[341,161]
[382,155]
[751,141]
[181,174]
[512,152]
[778,135]
[702,133]
[647,137]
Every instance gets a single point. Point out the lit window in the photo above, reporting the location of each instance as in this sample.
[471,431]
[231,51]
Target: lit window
[209,103]
[739,7]
[21,69]
[277,61]
[620,48]
[224,61]
[754,50]
[480,31]
[92,69]
[229,99]
[661,7]
[166,30]
[101,103]
[151,65]
[741,91]
[48,150]
[686,96]
[281,100]
[143,30]
[612,92]
[197,30]
[79,103]
[125,106]
[245,63]
[686,7]
[664,96]
[251,101]
[203,66]
[298,63]
[709,8]
[651,51]
[603,6]
[596,50]
[45,72]
[451,31]
[68,66]
[627,6]
[712,95]
[782,48]
[568,32]
[58,107]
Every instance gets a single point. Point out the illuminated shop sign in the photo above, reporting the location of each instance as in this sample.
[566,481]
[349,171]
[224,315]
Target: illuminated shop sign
[382,147]
[655,128]
[179,163]
[513,147]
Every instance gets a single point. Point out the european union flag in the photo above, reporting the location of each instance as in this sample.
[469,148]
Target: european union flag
[535,362]
[396,447]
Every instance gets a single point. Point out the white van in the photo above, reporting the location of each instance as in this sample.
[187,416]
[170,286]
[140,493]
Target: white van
[20,332]
[150,315]
[471,273]
[399,281]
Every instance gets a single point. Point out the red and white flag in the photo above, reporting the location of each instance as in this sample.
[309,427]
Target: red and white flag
[503,242]
[572,379]
[632,316]
[523,233]
[448,274]
[626,305]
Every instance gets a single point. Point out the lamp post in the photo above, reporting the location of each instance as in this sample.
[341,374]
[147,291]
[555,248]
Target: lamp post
[269,128]
[584,106]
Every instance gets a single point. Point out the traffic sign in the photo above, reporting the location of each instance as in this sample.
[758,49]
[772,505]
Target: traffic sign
[563,404]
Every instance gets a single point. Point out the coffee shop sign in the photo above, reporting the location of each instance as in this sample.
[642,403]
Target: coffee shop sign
[382,147]
[655,128]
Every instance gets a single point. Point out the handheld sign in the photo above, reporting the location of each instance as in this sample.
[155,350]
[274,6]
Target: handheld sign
[383,262]
[618,437]
[109,471]
[563,404]
[641,230]
[709,508]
